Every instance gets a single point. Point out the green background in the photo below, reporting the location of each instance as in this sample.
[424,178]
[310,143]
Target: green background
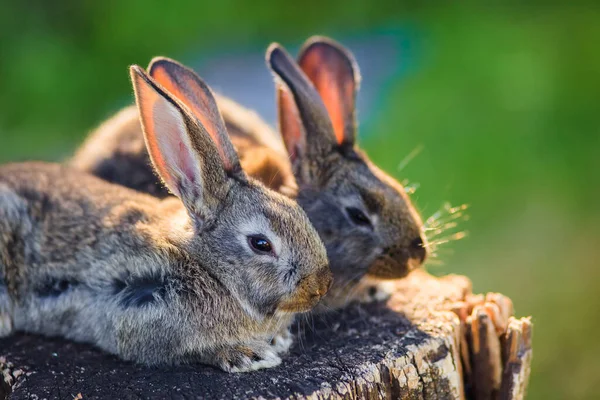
[504,102]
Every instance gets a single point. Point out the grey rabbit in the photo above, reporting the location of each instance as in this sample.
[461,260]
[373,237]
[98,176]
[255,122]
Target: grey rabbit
[210,275]
[364,216]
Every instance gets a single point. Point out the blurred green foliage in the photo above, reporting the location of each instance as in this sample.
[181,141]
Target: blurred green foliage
[504,101]
[507,108]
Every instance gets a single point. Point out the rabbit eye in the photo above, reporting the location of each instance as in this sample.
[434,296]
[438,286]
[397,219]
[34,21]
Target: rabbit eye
[260,244]
[358,217]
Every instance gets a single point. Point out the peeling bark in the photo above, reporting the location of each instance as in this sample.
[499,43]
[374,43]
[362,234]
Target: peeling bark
[421,346]
[8,377]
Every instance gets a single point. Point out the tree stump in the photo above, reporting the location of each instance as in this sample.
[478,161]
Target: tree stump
[433,340]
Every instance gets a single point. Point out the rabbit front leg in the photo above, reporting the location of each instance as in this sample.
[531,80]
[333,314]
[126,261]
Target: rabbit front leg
[154,337]
[13,221]
[370,290]
[245,357]
[6,325]
[282,342]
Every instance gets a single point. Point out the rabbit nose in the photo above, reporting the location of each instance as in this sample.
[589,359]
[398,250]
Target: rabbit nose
[417,249]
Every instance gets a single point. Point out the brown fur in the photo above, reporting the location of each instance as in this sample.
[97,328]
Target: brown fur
[310,290]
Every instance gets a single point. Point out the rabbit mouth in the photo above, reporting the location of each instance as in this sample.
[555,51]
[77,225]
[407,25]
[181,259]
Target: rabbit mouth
[386,267]
[300,302]
[309,292]
[298,306]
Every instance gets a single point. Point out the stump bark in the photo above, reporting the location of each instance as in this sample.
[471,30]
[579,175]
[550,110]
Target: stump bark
[432,340]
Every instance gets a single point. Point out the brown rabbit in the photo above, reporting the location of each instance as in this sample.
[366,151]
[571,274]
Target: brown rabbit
[363,215]
[211,275]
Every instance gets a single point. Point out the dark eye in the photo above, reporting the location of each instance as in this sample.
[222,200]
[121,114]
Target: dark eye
[260,244]
[357,216]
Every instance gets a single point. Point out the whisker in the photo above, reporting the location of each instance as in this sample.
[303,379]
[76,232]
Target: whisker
[411,188]
[451,210]
[354,289]
[273,178]
[446,239]
[301,334]
[330,309]
[438,227]
[438,234]
[409,157]
[434,262]
[440,222]
[444,250]
[438,218]
[448,225]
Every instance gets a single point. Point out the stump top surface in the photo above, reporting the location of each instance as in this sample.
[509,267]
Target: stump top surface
[331,356]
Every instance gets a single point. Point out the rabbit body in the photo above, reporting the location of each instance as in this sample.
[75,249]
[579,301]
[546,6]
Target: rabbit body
[210,276]
[94,262]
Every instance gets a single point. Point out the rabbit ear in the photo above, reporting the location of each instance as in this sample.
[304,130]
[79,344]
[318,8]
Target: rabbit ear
[335,74]
[182,151]
[304,122]
[187,87]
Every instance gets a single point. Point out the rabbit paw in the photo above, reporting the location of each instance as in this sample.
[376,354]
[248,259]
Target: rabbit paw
[5,324]
[244,358]
[282,342]
[375,292]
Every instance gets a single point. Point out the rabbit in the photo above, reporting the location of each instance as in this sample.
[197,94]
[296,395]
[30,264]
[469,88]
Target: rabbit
[210,275]
[364,217]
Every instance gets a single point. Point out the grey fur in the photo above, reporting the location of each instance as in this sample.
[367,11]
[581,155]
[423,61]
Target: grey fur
[334,176]
[155,281]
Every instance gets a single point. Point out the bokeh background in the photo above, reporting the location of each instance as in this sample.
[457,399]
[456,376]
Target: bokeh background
[499,104]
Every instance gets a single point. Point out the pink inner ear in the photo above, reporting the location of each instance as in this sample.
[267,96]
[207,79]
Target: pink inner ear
[147,99]
[333,100]
[335,84]
[190,94]
[164,127]
[186,162]
[289,121]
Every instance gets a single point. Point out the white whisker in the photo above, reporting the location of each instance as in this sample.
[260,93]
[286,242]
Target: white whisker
[434,262]
[409,157]
[411,188]
[446,239]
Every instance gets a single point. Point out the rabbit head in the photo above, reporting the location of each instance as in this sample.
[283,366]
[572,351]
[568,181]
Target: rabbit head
[363,215]
[259,244]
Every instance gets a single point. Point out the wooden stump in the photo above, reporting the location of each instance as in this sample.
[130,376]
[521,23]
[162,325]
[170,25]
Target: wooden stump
[434,340]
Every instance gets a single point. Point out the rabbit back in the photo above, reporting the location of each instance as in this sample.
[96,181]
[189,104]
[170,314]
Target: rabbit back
[116,151]
[67,239]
